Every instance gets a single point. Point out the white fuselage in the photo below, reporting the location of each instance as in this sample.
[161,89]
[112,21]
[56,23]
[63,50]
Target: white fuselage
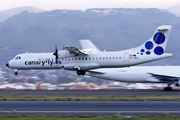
[92,61]
[136,74]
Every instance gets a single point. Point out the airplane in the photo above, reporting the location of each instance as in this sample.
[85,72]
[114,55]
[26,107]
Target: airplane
[90,57]
[140,74]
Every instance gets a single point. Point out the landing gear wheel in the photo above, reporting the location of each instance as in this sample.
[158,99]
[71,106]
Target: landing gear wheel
[16,73]
[78,72]
[81,72]
[168,89]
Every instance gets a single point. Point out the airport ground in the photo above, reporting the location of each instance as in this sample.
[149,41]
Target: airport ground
[90,107]
[90,102]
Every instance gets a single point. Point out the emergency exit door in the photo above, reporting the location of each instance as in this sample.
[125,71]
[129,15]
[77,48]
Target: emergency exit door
[126,58]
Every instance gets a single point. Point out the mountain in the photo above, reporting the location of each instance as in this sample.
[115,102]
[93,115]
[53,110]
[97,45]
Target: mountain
[175,9]
[5,14]
[110,29]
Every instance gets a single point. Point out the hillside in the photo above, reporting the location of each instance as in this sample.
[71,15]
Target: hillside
[109,29]
[5,14]
[175,9]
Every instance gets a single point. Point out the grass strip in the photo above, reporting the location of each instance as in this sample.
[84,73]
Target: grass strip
[88,117]
[90,97]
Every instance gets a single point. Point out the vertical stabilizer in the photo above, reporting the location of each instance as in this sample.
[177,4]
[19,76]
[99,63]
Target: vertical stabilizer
[87,44]
[157,43]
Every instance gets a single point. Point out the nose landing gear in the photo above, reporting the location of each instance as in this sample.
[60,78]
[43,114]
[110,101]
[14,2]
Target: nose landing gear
[16,72]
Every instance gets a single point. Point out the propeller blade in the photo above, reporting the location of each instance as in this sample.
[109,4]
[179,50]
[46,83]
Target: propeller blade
[56,53]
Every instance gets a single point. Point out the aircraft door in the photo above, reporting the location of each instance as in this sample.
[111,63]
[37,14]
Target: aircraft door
[126,58]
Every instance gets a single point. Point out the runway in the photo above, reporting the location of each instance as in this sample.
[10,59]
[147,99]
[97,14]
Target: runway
[90,92]
[89,107]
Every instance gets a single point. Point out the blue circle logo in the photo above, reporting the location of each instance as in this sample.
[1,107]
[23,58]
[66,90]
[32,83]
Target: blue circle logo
[159,38]
[149,45]
[142,50]
[148,53]
[158,50]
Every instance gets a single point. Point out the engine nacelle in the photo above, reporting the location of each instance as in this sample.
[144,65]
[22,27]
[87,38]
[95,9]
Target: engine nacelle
[64,54]
[178,83]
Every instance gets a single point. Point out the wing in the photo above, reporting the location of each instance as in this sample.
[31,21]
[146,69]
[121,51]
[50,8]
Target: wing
[74,50]
[165,77]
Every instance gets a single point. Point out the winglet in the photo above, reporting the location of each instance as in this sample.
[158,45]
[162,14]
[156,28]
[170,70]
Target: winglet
[87,44]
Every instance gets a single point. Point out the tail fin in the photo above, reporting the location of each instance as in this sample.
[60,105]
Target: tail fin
[157,43]
[87,44]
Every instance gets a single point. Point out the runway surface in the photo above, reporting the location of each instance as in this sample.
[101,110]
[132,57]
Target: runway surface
[91,92]
[89,107]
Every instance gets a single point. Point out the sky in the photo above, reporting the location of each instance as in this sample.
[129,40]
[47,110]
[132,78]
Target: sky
[85,4]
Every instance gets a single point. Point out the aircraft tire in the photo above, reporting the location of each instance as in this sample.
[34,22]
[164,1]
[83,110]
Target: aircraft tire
[83,72]
[16,73]
[168,89]
[78,72]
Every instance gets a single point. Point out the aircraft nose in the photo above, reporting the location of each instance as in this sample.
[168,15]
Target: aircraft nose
[7,64]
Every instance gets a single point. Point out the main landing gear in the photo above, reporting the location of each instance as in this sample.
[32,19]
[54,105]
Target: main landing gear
[168,88]
[81,72]
[16,72]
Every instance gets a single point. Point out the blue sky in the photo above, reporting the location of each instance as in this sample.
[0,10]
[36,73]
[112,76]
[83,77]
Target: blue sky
[85,4]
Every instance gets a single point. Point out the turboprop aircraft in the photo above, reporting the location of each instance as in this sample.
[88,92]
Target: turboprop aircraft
[141,74]
[71,58]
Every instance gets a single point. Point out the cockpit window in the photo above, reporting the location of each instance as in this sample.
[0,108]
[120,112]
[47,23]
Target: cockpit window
[17,58]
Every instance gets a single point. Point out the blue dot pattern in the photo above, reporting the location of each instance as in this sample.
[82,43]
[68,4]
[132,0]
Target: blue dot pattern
[149,45]
[148,52]
[142,50]
[159,38]
[158,50]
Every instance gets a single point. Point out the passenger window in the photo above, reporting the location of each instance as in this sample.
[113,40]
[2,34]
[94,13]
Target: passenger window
[96,58]
[86,58]
[79,58]
[75,58]
[89,58]
[100,58]
[107,58]
[82,58]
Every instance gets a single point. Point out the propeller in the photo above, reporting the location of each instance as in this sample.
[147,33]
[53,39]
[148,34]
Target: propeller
[56,53]
[64,47]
